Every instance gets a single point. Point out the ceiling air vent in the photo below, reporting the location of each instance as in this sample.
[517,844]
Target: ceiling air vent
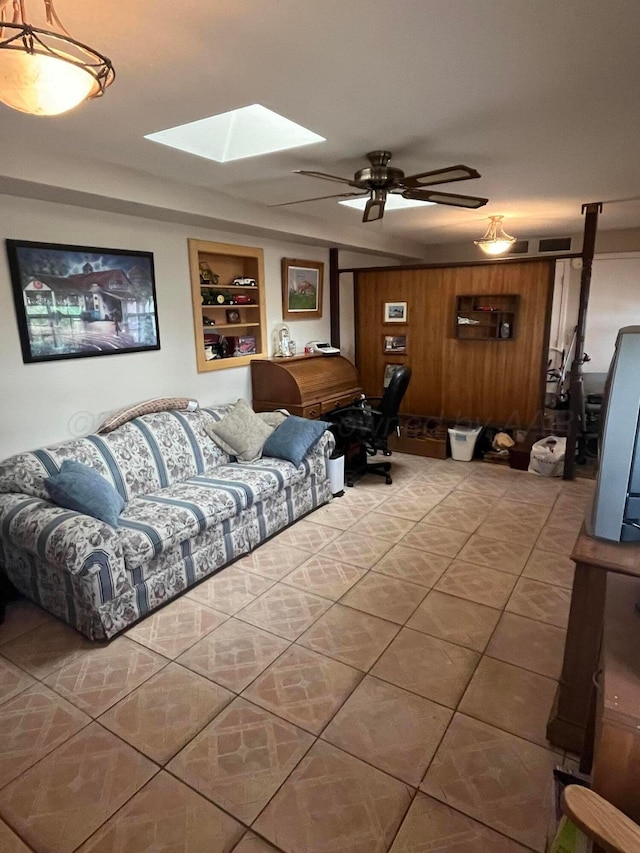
[520,247]
[557,244]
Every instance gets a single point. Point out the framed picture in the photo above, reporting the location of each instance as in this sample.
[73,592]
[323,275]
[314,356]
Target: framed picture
[233,315]
[76,301]
[245,345]
[394,344]
[395,312]
[301,289]
[389,370]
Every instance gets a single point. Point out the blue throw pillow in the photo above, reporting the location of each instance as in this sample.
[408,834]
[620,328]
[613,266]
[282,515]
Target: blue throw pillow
[82,489]
[294,438]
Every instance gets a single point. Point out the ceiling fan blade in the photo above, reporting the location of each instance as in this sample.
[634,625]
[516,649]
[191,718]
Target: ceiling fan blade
[374,209]
[317,198]
[455,200]
[440,176]
[322,175]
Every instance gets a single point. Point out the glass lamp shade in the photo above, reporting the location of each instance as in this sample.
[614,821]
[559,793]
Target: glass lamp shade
[42,84]
[496,240]
[495,247]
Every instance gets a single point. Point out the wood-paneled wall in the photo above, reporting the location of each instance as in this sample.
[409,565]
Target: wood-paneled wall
[492,382]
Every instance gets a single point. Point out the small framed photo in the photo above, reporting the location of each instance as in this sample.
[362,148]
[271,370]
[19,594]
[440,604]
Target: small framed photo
[394,344]
[395,312]
[245,345]
[389,370]
[233,315]
[301,289]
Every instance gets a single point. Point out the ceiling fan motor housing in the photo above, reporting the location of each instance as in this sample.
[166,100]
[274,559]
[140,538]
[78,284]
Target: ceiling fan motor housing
[378,175]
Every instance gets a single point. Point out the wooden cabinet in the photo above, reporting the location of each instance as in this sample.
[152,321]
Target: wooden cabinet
[482,317]
[229,320]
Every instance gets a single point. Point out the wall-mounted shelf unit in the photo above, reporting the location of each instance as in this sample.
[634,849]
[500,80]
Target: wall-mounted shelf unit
[217,338]
[481,317]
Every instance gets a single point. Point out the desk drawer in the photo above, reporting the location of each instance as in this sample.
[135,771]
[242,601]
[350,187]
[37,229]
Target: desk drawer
[337,403]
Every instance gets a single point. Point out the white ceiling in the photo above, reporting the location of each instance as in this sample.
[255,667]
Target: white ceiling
[542,97]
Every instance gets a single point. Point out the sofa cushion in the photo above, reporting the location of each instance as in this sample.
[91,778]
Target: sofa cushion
[294,438]
[82,489]
[241,432]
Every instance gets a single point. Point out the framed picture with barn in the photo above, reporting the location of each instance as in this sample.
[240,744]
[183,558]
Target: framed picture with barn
[301,289]
[78,301]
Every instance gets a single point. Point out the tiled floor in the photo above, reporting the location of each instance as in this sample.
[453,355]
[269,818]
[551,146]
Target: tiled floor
[377,677]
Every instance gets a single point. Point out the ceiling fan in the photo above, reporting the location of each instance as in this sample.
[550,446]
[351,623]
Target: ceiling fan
[379,179]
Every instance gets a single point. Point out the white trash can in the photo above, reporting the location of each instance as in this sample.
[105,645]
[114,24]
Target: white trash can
[463,441]
[335,469]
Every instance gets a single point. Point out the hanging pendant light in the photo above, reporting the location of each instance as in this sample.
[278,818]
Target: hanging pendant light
[46,72]
[495,241]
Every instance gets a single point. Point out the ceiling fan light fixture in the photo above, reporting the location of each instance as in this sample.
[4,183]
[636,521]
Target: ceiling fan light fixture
[47,72]
[496,240]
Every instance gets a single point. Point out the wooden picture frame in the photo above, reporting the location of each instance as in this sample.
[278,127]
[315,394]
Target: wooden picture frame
[394,344]
[301,289]
[394,312]
[81,301]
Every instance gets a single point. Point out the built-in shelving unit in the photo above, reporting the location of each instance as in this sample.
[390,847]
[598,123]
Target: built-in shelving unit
[223,329]
[481,317]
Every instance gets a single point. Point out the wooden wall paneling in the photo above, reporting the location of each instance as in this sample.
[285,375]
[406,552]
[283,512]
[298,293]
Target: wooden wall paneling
[498,382]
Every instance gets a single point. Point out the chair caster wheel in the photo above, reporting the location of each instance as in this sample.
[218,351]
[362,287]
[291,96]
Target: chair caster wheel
[388,481]
[350,483]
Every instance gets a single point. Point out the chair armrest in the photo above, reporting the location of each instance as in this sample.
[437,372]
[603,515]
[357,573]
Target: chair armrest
[600,821]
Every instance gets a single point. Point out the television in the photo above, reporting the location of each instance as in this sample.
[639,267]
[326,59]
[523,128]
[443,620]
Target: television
[615,512]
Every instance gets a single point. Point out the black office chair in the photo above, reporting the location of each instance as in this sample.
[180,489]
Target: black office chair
[362,430]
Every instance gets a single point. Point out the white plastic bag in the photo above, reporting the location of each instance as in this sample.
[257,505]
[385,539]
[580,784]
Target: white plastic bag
[547,456]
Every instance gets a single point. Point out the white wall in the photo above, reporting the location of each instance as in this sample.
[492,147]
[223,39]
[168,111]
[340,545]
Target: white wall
[50,401]
[614,302]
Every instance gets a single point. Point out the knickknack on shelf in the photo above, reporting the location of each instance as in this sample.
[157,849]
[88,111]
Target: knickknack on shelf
[482,317]
[227,286]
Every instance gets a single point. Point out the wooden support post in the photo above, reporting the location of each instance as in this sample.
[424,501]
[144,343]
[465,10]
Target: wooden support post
[334,297]
[575,385]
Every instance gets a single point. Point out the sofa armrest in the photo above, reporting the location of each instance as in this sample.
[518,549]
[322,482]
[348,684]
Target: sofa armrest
[80,544]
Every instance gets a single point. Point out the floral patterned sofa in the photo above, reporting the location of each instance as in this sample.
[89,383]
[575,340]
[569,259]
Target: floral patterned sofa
[190,510]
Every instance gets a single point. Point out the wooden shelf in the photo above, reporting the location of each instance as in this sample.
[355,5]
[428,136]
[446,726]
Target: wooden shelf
[499,313]
[228,261]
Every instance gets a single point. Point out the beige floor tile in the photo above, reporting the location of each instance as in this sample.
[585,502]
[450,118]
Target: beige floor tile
[32,725]
[408,506]
[436,540]
[529,644]
[349,636]
[339,514]
[173,629]
[273,560]
[432,827]
[499,779]
[334,802]
[307,536]
[480,484]
[13,680]
[324,577]
[569,522]
[241,758]
[570,503]
[357,550]
[495,554]
[9,841]
[558,541]
[304,687]
[541,601]
[455,620]
[425,490]
[470,501]
[234,654]
[166,816]
[284,611]
[98,679]
[252,843]
[166,712]
[535,490]
[511,530]
[62,800]
[458,518]
[477,583]
[508,509]
[385,597]
[510,698]
[384,526]
[21,616]
[230,590]
[427,666]
[363,498]
[47,648]
[384,725]
[410,564]
[549,567]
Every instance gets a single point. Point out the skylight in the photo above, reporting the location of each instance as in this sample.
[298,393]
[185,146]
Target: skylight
[246,132]
[394,202]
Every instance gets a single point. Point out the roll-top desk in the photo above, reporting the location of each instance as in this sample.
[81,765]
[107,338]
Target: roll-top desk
[307,385]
